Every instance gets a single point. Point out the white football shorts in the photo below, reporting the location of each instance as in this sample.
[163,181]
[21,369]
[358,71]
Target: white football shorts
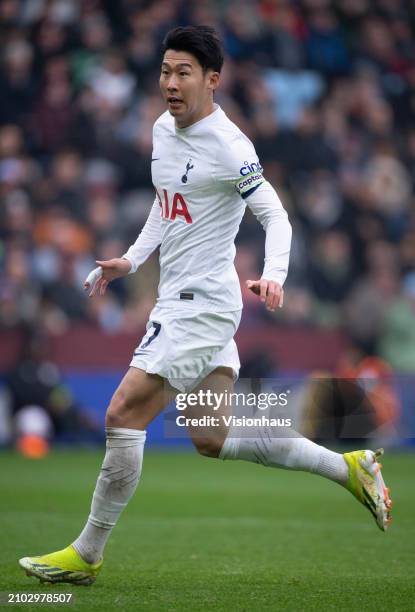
[184,346]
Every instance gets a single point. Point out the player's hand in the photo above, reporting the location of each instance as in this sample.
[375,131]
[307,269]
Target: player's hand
[97,280]
[270,292]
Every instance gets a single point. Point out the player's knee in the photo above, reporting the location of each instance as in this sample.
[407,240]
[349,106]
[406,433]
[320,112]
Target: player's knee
[208,447]
[113,419]
[118,411]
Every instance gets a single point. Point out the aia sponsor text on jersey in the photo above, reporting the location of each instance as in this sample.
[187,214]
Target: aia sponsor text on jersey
[171,208]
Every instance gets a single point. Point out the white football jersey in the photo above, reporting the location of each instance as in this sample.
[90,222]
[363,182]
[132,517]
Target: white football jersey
[201,175]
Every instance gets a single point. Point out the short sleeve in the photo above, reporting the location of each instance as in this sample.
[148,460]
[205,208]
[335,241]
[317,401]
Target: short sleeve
[238,165]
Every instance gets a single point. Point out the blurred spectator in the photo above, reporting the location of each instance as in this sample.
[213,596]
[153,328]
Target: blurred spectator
[40,404]
[389,188]
[360,401]
[53,114]
[19,296]
[67,176]
[292,92]
[397,341]
[95,36]
[366,306]
[326,48]
[18,83]
[111,82]
[332,268]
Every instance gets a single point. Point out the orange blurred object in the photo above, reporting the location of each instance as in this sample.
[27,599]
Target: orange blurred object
[375,376]
[33,447]
[57,229]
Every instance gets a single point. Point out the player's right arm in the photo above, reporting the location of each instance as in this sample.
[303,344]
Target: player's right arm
[148,240]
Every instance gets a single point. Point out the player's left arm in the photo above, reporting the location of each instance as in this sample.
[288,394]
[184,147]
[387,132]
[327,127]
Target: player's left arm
[238,168]
[268,209]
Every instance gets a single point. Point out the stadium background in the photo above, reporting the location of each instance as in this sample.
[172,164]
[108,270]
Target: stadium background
[326,90]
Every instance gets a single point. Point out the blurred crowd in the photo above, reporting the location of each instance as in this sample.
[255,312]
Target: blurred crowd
[326,91]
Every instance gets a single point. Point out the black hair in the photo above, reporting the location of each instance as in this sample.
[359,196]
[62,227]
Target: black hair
[201,41]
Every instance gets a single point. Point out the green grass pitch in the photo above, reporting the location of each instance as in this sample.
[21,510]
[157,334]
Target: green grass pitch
[205,535]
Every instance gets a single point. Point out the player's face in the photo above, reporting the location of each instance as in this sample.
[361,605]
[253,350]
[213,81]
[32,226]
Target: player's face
[186,89]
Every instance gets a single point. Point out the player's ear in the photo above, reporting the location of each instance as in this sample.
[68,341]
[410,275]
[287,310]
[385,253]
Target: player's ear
[213,79]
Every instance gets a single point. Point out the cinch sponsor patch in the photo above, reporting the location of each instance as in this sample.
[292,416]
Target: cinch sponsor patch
[248,183]
[249,168]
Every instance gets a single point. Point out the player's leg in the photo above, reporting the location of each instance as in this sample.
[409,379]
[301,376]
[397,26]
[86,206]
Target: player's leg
[139,398]
[208,440]
[136,402]
[359,471]
[263,445]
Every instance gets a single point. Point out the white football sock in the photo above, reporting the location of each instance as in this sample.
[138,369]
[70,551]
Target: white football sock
[117,481]
[294,453]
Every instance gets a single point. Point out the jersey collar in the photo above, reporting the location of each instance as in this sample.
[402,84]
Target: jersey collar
[201,123]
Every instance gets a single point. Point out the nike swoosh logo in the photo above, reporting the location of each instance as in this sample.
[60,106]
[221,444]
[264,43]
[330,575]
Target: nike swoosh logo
[155,158]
